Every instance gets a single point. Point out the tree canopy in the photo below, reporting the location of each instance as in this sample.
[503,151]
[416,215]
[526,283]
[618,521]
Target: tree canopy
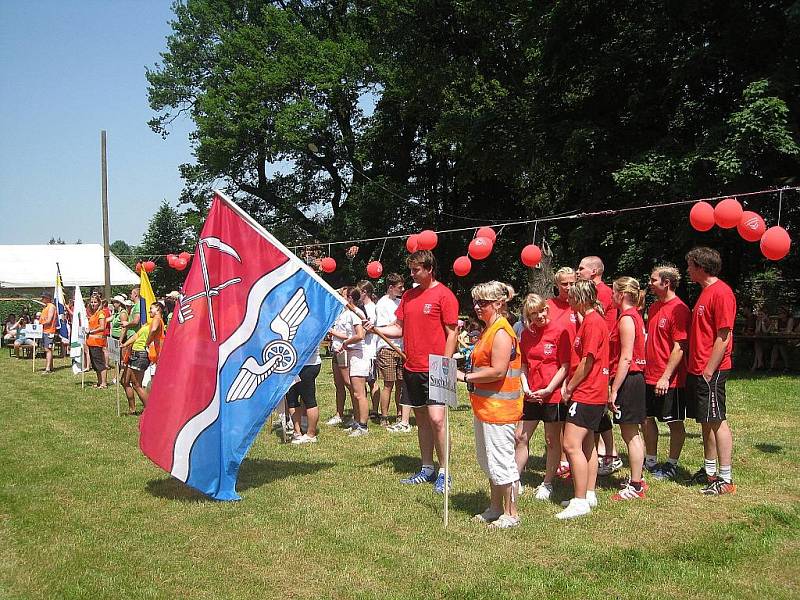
[339,119]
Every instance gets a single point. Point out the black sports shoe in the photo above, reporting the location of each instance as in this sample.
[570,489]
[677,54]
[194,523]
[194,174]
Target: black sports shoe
[652,469]
[699,478]
[665,471]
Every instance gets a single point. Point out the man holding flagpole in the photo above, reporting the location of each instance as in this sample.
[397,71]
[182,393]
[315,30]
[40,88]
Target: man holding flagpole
[47,320]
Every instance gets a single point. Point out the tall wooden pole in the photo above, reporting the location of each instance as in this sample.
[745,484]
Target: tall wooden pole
[106,250]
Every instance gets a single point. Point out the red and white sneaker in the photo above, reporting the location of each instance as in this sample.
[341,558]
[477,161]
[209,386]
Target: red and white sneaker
[629,493]
[563,472]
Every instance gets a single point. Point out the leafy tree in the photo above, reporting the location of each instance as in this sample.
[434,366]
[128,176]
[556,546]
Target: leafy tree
[167,233]
[487,111]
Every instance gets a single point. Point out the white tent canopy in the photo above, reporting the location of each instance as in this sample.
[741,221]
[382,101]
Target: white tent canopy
[34,266]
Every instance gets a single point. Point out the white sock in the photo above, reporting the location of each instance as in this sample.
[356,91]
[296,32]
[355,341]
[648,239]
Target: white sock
[441,470]
[564,463]
[673,461]
[591,497]
[725,473]
[650,460]
[711,466]
[427,469]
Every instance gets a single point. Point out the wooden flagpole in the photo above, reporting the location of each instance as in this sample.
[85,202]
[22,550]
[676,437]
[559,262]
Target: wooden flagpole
[391,344]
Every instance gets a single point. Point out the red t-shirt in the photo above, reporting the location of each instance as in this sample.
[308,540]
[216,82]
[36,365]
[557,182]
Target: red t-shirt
[560,311]
[667,323]
[543,352]
[638,361]
[592,338]
[423,314]
[715,309]
[604,293]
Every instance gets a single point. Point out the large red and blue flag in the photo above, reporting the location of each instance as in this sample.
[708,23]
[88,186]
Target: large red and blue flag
[250,315]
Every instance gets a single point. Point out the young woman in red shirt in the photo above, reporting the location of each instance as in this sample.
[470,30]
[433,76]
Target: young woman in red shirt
[586,393]
[545,345]
[627,399]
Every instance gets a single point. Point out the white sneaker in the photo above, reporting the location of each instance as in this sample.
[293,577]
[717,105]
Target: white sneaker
[520,489]
[334,420]
[543,491]
[575,508]
[305,439]
[591,498]
[400,427]
[358,432]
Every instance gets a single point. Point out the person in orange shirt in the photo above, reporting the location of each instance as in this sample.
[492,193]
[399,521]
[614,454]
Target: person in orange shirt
[495,392]
[96,340]
[47,320]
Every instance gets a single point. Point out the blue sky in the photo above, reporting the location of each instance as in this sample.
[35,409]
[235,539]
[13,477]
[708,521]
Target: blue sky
[70,68]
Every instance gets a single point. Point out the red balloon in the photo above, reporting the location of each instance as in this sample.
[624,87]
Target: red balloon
[775,243]
[412,243]
[487,232]
[171,260]
[702,216]
[327,264]
[427,240]
[462,266]
[181,263]
[751,226]
[186,256]
[374,269]
[531,255]
[138,267]
[728,213]
[480,248]
[149,266]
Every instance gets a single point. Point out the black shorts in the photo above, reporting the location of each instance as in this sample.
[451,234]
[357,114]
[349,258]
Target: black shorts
[546,413]
[667,408]
[631,400]
[587,416]
[415,390]
[139,361]
[97,357]
[705,400]
[306,388]
[605,424]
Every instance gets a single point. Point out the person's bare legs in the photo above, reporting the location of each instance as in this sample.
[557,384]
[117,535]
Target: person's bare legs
[552,439]
[677,437]
[312,417]
[341,382]
[650,435]
[360,402]
[630,434]
[720,432]
[436,419]
[523,434]
[385,397]
[575,439]
[424,434]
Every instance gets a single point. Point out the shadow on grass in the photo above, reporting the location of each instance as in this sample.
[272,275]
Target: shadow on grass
[254,472]
[769,448]
[689,434]
[469,503]
[401,463]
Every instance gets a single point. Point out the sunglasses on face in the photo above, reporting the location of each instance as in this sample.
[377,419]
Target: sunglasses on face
[482,303]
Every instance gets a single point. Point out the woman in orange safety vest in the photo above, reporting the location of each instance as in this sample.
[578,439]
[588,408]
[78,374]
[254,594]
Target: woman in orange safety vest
[496,398]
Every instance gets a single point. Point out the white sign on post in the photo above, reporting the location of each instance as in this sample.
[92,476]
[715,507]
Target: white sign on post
[113,350]
[442,380]
[33,331]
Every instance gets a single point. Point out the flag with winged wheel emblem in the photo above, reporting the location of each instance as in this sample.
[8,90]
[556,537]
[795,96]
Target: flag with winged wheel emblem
[250,315]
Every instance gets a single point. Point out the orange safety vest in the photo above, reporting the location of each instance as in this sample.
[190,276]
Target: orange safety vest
[499,401]
[96,339]
[48,318]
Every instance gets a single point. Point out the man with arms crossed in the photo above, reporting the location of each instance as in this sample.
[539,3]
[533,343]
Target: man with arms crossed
[668,322]
[427,320]
[710,345]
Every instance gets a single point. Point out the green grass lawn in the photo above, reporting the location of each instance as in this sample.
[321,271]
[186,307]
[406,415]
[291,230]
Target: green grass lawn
[83,514]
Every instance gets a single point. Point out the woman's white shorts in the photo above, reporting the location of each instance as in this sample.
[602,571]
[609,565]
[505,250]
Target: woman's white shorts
[495,446]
